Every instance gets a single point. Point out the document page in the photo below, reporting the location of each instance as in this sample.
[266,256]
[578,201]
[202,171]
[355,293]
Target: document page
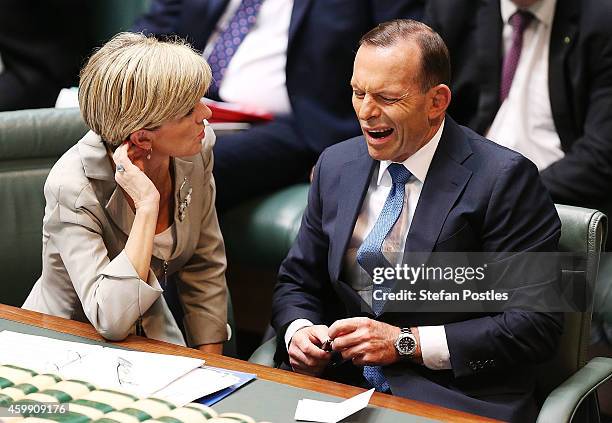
[136,372]
[177,379]
[44,355]
[331,412]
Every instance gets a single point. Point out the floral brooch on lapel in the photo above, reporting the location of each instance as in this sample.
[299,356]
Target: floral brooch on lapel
[184,199]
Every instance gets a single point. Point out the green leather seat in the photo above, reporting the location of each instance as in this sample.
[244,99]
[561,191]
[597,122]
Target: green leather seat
[257,236]
[567,383]
[31,141]
[260,232]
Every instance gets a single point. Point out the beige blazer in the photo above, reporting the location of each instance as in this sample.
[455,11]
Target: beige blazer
[86,275]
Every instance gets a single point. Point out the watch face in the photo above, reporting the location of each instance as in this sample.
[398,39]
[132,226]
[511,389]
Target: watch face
[406,345]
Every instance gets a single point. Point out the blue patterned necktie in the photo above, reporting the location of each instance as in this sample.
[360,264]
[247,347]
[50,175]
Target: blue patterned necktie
[370,255]
[229,40]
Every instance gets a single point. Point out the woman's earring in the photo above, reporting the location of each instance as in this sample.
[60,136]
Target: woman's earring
[149,154]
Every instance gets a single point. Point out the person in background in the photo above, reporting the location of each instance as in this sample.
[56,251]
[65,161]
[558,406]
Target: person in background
[536,76]
[131,242]
[291,58]
[42,45]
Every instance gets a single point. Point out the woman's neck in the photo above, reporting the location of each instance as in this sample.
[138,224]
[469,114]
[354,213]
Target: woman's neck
[158,171]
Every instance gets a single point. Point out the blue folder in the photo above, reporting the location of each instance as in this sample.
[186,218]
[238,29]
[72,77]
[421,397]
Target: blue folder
[219,395]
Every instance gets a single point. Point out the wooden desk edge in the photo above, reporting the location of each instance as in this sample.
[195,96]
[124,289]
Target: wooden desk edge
[275,375]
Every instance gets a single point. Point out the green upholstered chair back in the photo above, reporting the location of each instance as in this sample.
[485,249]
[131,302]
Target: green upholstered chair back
[583,233]
[261,232]
[31,141]
[38,137]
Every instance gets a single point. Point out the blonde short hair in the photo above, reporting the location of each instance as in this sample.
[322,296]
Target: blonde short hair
[135,82]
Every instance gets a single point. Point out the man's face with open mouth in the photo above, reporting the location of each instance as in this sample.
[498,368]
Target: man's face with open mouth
[388,100]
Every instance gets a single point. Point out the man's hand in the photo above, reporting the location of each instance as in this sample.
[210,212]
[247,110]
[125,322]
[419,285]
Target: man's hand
[305,353]
[365,341]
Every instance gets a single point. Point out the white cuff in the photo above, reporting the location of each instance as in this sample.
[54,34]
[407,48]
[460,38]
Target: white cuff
[434,347]
[293,328]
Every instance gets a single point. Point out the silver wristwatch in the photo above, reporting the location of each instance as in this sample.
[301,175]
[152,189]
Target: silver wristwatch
[406,344]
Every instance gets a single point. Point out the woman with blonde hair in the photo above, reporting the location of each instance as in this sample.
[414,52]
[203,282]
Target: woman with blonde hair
[130,234]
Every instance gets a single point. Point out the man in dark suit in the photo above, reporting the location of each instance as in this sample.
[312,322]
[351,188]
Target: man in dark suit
[317,53]
[447,190]
[567,98]
[558,111]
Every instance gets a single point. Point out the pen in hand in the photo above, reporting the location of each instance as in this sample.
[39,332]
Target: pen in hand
[327,345]
[336,359]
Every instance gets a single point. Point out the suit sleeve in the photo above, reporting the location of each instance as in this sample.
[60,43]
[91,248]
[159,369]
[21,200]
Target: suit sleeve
[161,19]
[111,293]
[583,176]
[202,288]
[520,218]
[25,87]
[386,10]
[303,279]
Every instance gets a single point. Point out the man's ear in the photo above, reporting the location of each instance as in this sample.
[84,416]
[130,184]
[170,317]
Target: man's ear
[143,138]
[439,100]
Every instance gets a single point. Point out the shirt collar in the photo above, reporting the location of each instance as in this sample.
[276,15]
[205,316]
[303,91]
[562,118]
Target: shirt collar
[543,10]
[418,163]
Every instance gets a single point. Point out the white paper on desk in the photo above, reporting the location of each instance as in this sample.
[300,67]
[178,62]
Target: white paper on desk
[195,384]
[136,372]
[331,412]
[25,350]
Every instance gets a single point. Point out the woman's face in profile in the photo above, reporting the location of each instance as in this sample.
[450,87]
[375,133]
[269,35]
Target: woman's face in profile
[183,136]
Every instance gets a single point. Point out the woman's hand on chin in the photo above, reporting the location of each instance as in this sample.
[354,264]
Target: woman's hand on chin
[132,179]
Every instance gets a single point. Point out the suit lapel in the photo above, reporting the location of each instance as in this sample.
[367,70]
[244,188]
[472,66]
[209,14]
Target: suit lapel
[445,181]
[489,62]
[300,7]
[204,17]
[96,162]
[354,183]
[563,35]
[97,165]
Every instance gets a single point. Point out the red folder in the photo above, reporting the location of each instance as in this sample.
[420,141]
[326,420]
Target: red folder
[231,112]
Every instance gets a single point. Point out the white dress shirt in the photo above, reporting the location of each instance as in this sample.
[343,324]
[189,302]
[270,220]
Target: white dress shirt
[524,122]
[256,74]
[434,347]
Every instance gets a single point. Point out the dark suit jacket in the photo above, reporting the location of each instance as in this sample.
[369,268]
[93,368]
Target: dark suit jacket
[42,44]
[323,36]
[478,196]
[579,79]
